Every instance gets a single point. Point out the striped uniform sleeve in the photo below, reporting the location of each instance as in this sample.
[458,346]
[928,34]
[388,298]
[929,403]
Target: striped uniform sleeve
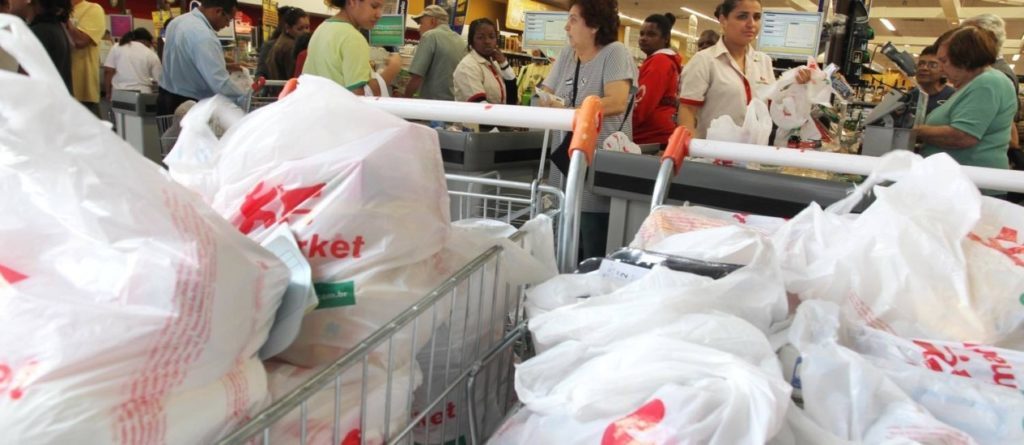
[695,80]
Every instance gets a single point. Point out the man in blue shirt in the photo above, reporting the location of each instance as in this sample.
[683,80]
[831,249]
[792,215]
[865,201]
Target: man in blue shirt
[194,66]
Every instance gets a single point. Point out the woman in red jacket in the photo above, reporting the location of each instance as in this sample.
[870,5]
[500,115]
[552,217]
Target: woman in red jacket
[656,99]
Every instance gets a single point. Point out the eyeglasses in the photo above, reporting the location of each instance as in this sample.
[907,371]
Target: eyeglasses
[930,65]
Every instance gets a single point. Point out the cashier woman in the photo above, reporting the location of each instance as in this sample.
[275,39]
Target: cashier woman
[723,79]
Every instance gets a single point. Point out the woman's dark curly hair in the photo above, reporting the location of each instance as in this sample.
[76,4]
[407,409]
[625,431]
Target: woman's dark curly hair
[602,15]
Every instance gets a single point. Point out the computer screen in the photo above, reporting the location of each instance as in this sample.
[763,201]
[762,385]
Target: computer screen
[789,34]
[545,30]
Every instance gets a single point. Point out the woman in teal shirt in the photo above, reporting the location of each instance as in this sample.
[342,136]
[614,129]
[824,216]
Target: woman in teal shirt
[973,126]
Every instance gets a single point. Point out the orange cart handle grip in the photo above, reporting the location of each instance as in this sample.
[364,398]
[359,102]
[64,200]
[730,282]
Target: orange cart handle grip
[678,148]
[586,125]
[289,86]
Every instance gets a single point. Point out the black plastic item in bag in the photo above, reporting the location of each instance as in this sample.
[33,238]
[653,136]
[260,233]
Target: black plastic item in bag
[647,260]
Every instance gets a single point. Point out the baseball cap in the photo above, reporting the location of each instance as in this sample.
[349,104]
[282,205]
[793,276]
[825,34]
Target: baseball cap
[432,11]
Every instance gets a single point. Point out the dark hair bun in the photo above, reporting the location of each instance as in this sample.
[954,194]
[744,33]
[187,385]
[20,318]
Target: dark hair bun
[671,18]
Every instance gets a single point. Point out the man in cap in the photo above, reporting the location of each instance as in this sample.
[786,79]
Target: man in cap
[439,52]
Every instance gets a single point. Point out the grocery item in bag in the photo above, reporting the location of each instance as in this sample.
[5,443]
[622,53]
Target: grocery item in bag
[666,221]
[931,257]
[130,312]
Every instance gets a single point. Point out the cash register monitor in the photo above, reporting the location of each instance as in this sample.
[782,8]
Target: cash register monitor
[790,35]
[545,30]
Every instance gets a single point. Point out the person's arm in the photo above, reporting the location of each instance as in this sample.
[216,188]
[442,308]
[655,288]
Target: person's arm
[653,86]
[1014,137]
[108,80]
[209,59]
[90,28]
[156,69]
[616,97]
[694,84]
[420,64]
[688,116]
[969,119]
[504,67]
[945,136]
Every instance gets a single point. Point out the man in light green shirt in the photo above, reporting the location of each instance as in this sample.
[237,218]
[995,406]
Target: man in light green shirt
[440,50]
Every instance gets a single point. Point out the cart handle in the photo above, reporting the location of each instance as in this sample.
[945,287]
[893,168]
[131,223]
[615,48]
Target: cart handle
[289,87]
[586,124]
[678,148]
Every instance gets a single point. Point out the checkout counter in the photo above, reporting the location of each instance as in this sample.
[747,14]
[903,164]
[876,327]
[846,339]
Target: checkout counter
[628,180]
[135,121]
[507,155]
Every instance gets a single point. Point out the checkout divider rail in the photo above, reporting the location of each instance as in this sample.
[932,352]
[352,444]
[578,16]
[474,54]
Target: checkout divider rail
[682,145]
[472,294]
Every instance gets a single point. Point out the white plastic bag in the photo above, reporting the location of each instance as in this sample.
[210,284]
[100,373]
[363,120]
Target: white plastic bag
[972,388]
[666,221]
[130,312]
[362,190]
[756,128]
[669,385]
[879,370]
[793,102]
[930,258]
[753,293]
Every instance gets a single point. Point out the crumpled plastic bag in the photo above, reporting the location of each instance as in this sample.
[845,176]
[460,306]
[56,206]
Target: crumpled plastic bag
[792,102]
[970,388]
[708,378]
[930,258]
[756,128]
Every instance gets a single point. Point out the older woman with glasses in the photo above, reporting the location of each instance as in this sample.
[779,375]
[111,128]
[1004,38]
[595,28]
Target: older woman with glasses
[973,126]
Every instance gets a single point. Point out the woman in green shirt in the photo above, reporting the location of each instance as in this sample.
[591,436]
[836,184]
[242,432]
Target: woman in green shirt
[339,52]
[973,126]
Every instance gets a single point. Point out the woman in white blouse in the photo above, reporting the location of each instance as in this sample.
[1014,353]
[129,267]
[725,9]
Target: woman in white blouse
[481,75]
[724,78]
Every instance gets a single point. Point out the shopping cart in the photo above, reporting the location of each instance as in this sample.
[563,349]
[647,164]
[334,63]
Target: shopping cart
[265,92]
[468,396]
[682,145]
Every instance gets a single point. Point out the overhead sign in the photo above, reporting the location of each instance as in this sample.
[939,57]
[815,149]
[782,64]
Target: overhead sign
[389,31]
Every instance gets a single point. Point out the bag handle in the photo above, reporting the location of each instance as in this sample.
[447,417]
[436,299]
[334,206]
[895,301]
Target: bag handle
[890,167]
[18,40]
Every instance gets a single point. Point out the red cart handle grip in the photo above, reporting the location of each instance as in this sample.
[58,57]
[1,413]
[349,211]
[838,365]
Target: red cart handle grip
[586,125]
[289,86]
[678,148]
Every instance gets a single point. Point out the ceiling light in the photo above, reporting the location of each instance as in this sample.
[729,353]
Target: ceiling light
[626,17]
[705,17]
[1013,66]
[887,24]
[1016,57]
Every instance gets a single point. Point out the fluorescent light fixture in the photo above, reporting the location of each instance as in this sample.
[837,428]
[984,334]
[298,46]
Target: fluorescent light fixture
[887,24]
[626,17]
[1016,57]
[1013,66]
[705,17]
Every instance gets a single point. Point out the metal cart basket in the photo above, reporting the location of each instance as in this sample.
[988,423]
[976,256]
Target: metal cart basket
[464,391]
